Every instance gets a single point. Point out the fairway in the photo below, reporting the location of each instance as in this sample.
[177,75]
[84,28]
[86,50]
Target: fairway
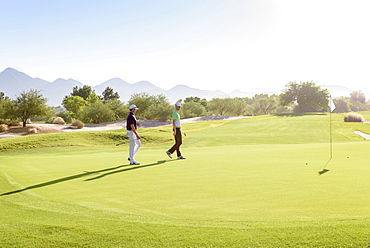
[252,182]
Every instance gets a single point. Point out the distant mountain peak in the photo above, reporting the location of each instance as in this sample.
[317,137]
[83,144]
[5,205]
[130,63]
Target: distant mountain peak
[144,82]
[114,81]
[59,79]
[69,81]
[13,71]
[179,86]
[10,69]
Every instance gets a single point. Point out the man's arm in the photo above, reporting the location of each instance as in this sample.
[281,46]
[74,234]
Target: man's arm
[174,127]
[134,130]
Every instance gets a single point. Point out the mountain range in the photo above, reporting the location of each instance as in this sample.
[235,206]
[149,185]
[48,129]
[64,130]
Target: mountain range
[13,82]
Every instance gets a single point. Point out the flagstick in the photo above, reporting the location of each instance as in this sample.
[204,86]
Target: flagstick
[331,136]
[331,139]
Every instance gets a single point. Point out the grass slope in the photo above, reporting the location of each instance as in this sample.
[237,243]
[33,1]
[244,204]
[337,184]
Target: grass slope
[253,182]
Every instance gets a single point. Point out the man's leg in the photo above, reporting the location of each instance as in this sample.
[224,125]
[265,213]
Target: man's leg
[132,149]
[137,147]
[175,147]
[178,142]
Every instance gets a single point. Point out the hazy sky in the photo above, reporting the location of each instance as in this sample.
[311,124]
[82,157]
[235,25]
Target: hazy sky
[251,45]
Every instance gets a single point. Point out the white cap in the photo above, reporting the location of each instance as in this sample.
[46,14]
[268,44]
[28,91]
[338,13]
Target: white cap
[133,106]
[178,104]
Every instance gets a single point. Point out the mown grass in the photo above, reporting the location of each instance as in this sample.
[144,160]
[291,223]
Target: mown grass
[234,190]
[269,129]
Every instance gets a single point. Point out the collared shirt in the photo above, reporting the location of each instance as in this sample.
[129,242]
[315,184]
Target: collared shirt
[176,116]
[131,119]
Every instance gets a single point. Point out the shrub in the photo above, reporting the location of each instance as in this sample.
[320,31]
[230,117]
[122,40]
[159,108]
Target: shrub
[77,123]
[66,115]
[152,107]
[9,122]
[3,128]
[353,117]
[14,123]
[97,112]
[119,109]
[193,109]
[159,112]
[59,120]
[32,130]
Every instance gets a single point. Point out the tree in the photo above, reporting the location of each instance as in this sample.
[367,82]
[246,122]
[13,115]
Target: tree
[193,109]
[2,100]
[142,101]
[81,106]
[358,96]
[307,96]
[109,94]
[151,107]
[260,96]
[192,99]
[161,112]
[74,104]
[83,92]
[66,115]
[358,106]
[358,101]
[341,105]
[5,104]
[238,107]
[220,106]
[264,106]
[28,104]
[97,112]
[159,108]
[119,109]
[92,98]
[196,99]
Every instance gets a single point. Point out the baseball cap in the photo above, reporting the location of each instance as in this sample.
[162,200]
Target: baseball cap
[178,104]
[133,106]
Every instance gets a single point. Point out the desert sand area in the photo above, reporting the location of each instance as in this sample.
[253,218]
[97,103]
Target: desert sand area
[54,128]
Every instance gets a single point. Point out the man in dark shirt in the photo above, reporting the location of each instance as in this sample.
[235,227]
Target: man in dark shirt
[134,137]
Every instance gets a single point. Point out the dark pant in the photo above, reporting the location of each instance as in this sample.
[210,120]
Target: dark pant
[178,142]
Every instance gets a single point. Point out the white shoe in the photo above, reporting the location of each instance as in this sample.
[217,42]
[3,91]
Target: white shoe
[169,154]
[133,162]
[181,157]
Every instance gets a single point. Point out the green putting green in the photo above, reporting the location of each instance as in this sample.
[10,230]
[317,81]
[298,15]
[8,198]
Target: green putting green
[254,182]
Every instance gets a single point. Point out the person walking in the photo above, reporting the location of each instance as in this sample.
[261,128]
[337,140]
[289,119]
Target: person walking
[134,137]
[176,132]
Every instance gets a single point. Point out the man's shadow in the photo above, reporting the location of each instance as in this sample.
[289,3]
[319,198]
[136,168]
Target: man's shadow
[129,169]
[108,171]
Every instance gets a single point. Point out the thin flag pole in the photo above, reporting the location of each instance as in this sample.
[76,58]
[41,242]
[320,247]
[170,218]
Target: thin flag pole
[331,134]
[331,137]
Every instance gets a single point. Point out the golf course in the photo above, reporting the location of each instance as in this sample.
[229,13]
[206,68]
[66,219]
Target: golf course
[264,181]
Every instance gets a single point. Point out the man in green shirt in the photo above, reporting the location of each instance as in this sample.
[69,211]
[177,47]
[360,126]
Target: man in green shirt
[176,132]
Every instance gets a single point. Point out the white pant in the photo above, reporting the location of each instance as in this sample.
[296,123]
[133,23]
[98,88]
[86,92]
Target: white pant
[135,144]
